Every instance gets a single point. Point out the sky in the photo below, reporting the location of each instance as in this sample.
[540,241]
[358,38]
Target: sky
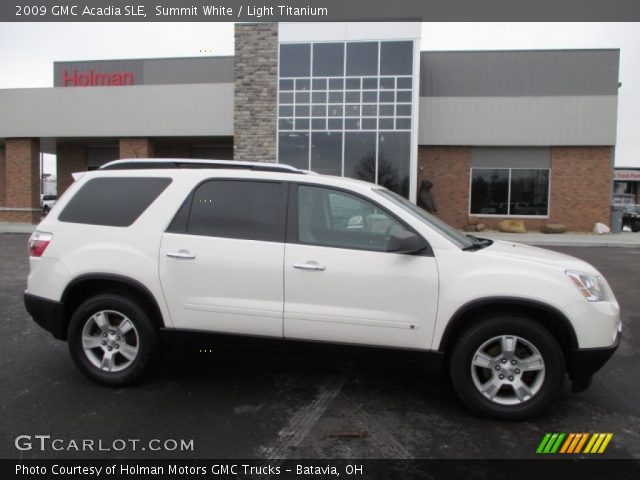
[28,50]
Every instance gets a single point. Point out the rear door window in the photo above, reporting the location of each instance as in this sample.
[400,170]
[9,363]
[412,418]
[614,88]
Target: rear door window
[243,209]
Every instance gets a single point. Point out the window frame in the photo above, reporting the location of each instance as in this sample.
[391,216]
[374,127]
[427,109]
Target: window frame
[179,223]
[508,214]
[292,231]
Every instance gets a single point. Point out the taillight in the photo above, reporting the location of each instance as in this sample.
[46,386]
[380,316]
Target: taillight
[38,243]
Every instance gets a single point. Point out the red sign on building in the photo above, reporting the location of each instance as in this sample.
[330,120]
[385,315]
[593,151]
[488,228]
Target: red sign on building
[91,78]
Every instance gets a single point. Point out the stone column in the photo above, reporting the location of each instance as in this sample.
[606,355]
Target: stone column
[136,148]
[256,89]
[71,158]
[22,187]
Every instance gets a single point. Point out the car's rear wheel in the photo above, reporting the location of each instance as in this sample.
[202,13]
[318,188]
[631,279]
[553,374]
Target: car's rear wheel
[635,226]
[112,340]
[507,367]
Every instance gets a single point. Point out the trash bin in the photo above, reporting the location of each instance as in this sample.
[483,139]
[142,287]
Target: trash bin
[616,218]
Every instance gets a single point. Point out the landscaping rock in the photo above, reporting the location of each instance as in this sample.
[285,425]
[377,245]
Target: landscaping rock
[480,227]
[554,228]
[601,228]
[512,226]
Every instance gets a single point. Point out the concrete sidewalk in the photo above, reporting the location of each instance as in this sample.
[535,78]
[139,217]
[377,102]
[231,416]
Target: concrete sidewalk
[624,239]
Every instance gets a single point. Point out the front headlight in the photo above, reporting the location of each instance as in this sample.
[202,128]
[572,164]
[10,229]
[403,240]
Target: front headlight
[591,286]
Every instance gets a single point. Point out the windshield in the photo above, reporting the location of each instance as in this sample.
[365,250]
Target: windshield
[434,222]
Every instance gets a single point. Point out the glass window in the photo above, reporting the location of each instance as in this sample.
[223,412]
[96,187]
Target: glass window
[352,124]
[319,97]
[286,84]
[302,111]
[370,96]
[285,124]
[369,110]
[338,219]
[285,111]
[386,97]
[386,110]
[328,59]
[319,83]
[302,124]
[113,201]
[286,97]
[405,82]
[335,123]
[394,153]
[303,84]
[293,149]
[319,111]
[396,58]
[403,110]
[336,97]
[362,58]
[249,210]
[295,60]
[369,123]
[387,83]
[529,192]
[403,96]
[318,124]
[385,124]
[403,123]
[335,110]
[352,97]
[353,84]
[302,97]
[489,191]
[326,152]
[336,84]
[504,191]
[352,111]
[369,83]
[360,155]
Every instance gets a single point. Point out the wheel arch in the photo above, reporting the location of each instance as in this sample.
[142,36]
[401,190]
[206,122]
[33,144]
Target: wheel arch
[88,285]
[546,315]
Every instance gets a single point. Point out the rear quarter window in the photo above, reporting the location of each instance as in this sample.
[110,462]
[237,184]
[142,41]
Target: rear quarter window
[113,201]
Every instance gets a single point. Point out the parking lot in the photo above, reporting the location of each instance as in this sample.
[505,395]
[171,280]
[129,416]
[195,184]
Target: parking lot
[284,406]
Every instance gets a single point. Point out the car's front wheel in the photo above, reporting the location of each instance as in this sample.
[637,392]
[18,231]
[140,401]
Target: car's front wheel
[635,226]
[112,340]
[507,367]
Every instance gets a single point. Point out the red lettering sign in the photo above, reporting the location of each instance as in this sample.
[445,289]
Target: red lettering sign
[91,78]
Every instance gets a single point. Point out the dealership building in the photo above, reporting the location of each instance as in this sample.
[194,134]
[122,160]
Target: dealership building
[499,134]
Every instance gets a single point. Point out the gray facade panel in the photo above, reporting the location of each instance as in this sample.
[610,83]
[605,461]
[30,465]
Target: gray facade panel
[511,157]
[154,71]
[519,73]
[518,121]
[188,70]
[145,111]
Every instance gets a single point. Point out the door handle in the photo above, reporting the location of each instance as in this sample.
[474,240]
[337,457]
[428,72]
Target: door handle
[310,265]
[184,254]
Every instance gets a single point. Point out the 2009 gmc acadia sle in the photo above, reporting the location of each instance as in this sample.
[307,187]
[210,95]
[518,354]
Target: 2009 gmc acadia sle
[264,253]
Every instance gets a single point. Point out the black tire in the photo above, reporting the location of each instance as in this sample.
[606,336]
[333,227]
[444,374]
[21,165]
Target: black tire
[142,337]
[635,226]
[547,383]
[45,210]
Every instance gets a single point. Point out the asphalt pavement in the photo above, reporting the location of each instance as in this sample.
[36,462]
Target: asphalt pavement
[244,405]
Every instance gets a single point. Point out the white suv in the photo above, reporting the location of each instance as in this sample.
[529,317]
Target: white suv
[256,254]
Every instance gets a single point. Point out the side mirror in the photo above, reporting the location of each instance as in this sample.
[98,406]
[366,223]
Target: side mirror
[405,242]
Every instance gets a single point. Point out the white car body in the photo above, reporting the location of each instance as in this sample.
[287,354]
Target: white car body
[356,297]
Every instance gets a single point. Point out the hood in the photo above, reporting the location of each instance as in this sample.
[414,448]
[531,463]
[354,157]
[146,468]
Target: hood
[527,253]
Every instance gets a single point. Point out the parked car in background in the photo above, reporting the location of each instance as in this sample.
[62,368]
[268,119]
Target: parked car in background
[631,218]
[47,202]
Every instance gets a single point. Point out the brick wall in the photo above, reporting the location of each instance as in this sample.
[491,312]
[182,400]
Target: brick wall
[581,183]
[581,186]
[3,178]
[448,169]
[22,187]
[136,148]
[256,77]
[71,158]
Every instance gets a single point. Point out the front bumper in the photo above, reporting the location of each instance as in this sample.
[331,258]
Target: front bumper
[584,362]
[46,313]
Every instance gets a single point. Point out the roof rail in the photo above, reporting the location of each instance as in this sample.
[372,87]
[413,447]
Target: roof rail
[163,163]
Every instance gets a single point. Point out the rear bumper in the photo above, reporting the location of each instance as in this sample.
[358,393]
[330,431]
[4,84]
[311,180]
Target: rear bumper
[584,362]
[46,313]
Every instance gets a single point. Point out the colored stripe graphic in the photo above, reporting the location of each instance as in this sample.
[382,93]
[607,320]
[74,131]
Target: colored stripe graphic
[572,443]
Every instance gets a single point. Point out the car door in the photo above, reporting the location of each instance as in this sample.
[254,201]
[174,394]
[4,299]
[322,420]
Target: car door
[221,258]
[341,285]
